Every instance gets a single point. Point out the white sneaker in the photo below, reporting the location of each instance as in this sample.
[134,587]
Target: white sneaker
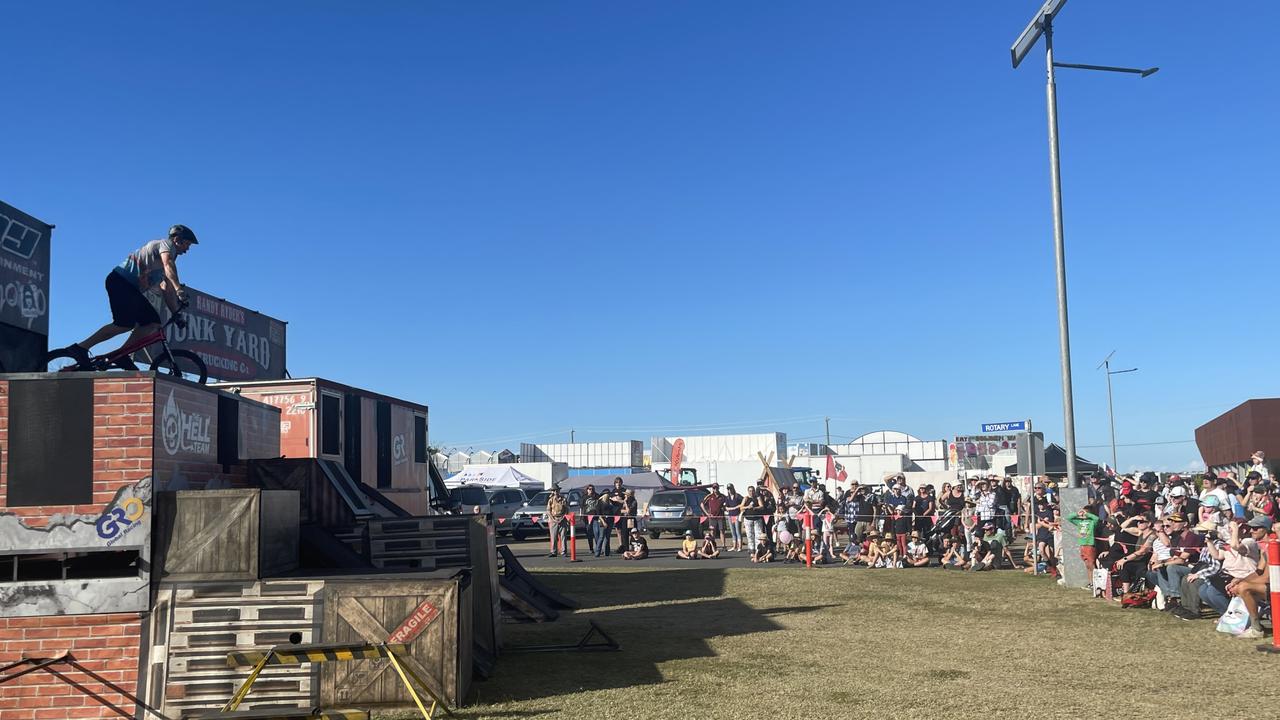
[1158,602]
[1252,633]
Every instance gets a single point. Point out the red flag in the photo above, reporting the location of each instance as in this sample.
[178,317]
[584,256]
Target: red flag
[677,460]
[831,467]
[841,475]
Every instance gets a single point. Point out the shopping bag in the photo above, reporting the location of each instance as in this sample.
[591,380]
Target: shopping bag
[1236,619]
[1101,582]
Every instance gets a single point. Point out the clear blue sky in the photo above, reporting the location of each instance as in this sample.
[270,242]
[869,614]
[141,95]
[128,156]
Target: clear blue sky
[639,218]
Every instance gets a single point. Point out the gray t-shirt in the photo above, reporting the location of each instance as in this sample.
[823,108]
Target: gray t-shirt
[143,267]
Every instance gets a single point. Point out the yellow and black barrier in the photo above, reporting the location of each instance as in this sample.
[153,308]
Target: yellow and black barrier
[343,652]
[287,715]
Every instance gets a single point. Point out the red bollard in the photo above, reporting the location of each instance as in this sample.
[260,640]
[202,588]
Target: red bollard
[1273,569]
[808,539]
[573,538]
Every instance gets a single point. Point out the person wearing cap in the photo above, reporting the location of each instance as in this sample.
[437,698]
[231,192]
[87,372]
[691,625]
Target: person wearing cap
[1246,567]
[1259,500]
[917,552]
[713,509]
[688,547]
[1169,567]
[1259,465]
[639,549]
[1179,503]
[557,511]
[148,272]
[1215,486]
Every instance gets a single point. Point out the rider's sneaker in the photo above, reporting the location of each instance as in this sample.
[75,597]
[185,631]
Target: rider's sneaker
[80,354]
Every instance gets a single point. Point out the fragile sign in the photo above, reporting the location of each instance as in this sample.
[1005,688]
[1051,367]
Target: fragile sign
[234,342]
[413,625]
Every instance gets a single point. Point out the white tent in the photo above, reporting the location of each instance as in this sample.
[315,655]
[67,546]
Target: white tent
[495,476]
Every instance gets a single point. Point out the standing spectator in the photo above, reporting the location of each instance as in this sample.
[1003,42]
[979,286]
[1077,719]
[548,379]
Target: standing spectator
[1002,502]
[597,534]
[899,507]
[733,516]
[618,487]
[1085,522]
[628,511]
[1015,503]
[1259,460]
[557,507]
[985,503]
[752,520]
[1145,495]
[924,507]
[712,507]
[604,527]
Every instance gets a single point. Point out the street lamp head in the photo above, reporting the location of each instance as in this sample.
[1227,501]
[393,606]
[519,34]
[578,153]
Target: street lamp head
[1034,30]
[1150,71]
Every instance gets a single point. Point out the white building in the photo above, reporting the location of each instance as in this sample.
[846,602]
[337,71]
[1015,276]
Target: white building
[457,461]
[869,458]
[608,456]
[724,459]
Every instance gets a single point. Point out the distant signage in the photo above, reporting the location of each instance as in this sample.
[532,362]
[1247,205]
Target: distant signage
[24,270]
[1018,426]
[236,343]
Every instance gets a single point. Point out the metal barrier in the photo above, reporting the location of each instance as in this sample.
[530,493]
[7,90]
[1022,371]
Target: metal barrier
[342,652]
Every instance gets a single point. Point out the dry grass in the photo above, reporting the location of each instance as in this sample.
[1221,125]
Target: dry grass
[850,643]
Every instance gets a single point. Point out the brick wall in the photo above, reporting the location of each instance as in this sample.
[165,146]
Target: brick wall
[107,645]
[122,420]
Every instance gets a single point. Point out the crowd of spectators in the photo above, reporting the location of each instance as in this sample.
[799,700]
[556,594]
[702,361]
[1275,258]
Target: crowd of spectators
[1180,545]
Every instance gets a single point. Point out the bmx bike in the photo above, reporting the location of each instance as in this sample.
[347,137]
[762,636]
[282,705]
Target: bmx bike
[168,361]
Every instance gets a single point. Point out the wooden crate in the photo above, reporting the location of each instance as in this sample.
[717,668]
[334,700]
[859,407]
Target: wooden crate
[370,609]
[196,625]
[216,535]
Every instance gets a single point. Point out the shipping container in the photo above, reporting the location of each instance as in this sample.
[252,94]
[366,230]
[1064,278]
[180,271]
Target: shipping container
[722,448]
[380,440]
[628,453]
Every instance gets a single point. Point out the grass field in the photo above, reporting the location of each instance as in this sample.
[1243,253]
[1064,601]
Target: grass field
[783,642]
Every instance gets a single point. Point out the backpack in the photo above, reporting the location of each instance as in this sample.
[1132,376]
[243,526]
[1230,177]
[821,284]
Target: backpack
[1138,599]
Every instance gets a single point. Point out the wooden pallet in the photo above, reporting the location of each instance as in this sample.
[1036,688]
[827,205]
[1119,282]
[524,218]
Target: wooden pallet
[203,622]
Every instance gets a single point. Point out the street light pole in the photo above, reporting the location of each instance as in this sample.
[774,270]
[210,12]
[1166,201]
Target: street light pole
[1042,24]
[1106,363]
[1060,260]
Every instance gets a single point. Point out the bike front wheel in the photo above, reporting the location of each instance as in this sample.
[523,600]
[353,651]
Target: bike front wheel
[184,364]
[61,360]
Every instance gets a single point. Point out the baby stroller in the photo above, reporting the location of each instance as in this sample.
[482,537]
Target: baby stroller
[947,523]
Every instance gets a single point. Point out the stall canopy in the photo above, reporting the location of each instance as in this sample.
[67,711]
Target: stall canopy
[1055,463]
[645,484]
[496,476]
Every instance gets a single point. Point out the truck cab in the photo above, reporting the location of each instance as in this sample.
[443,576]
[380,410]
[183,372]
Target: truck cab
[688,476]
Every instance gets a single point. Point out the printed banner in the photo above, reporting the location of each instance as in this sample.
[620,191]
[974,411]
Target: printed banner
[24,270]
[236,343]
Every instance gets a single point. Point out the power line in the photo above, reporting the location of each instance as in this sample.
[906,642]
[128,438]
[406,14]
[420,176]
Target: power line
[1142,444]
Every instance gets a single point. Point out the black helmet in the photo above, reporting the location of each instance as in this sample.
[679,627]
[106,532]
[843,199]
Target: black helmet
[182,232]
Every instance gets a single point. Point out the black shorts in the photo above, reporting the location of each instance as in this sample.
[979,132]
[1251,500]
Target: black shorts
[129,307]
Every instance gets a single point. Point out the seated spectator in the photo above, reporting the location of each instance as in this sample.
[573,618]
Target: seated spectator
[1132,565]
[917,551]
[981,555]
[953,554]
[639,548]
[1243,561]
[1168,568]
[689,548]
[709,551]
[1207,570]
[870,549]
[762,553]
[887,555]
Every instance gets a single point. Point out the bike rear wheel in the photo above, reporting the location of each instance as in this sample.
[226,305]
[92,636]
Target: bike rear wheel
[182,363]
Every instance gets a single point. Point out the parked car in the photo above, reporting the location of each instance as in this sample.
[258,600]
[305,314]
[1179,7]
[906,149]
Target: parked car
[531,519]
[675,511]
[500,503]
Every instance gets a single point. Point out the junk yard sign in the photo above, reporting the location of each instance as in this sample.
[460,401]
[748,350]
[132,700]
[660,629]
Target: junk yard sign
[236,343]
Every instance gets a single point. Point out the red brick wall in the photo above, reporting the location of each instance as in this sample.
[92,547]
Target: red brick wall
[107,645]
[122,438]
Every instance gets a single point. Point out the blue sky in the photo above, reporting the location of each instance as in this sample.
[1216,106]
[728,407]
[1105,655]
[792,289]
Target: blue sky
[645,218]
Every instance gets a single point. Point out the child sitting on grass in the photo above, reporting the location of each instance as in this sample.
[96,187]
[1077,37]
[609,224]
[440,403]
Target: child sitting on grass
[709,551]
[639,548]
[953,555]
[689,548]
[762,553]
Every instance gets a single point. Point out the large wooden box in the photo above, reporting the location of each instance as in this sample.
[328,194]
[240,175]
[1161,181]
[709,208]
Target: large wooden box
[219,535]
